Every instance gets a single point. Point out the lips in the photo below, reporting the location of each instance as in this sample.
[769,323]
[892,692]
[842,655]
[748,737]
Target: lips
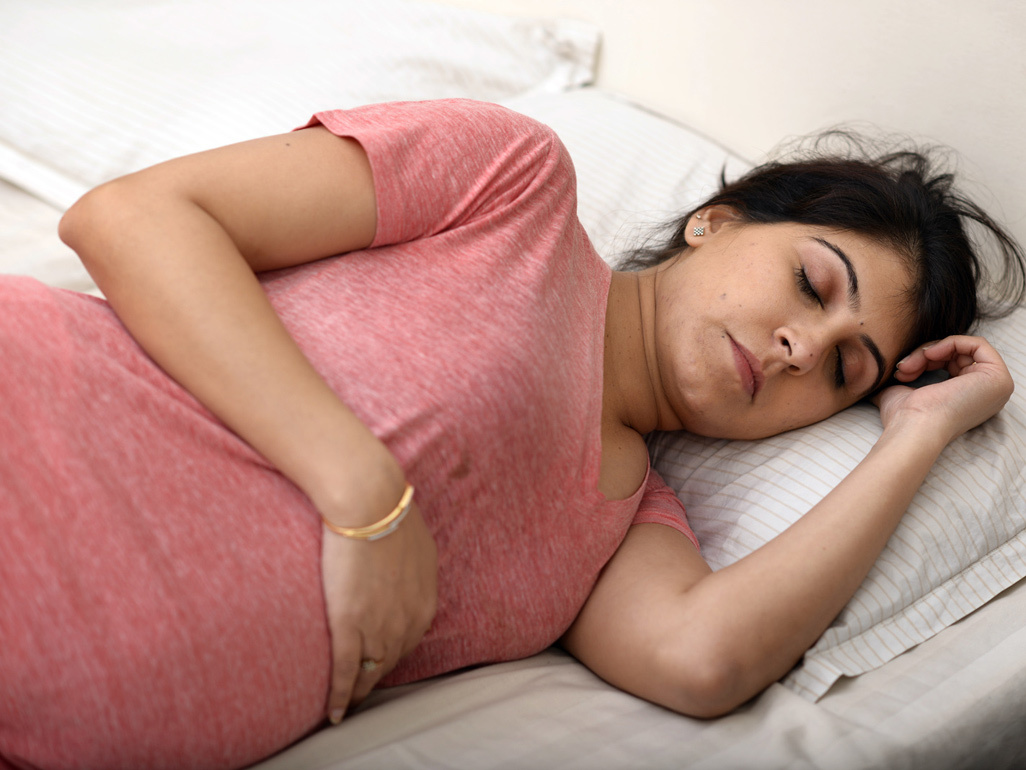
[748,367]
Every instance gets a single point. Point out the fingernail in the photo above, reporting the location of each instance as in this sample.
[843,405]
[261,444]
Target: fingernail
[336,716]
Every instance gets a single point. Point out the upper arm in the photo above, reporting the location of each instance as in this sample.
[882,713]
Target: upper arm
[381,174]
[633,625]
[282,200]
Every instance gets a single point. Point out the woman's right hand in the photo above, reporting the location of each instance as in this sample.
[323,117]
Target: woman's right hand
[979,384]
[380,598]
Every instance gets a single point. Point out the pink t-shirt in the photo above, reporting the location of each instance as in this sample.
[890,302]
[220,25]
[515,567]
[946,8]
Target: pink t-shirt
[162,601]
[498,300]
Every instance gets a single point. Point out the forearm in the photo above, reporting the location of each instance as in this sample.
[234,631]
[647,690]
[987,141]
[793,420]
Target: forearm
[787,592]
[188,296]
[660,624]
[757,617]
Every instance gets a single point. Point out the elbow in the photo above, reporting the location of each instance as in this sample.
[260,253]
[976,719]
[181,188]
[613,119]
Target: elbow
[711,680]
[103,226]
[71,223]
[81,217]
[85,225]
[706,691]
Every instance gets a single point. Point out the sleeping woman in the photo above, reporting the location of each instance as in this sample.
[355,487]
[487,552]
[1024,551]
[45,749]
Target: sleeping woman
[365,406]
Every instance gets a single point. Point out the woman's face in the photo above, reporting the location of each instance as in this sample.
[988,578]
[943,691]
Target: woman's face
[764,328]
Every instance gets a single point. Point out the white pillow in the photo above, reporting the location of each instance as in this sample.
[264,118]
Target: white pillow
[92,90]
[634,169]
[963,539]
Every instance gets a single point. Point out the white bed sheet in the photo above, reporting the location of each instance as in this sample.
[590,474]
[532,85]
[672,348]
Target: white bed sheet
[29,244]
[956,702]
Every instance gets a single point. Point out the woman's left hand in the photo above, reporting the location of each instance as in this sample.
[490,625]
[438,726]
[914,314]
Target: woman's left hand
[979,384]
[380,598]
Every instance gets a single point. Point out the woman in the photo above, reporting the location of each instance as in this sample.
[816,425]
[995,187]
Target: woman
[470,345]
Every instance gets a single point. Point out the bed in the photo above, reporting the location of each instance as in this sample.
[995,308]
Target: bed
[926,666]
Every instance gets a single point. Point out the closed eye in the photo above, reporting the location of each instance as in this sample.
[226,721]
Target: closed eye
[805,285]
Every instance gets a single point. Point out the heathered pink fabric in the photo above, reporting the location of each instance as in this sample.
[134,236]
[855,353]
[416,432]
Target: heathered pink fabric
[161,602]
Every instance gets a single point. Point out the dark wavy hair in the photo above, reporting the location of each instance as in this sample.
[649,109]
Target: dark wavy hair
[899,198]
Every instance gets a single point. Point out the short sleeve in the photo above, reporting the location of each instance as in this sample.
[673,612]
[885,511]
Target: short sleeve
[659,505]
[441,164]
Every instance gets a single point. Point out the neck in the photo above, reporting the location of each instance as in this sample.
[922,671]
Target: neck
[632,393]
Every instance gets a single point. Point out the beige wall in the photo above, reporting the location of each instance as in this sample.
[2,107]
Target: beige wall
[752,72]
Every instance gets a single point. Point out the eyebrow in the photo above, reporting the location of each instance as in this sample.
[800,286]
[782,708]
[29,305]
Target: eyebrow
[854,300]
[881,365]
[853,279]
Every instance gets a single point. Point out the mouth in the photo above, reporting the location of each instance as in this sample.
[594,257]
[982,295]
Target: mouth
[748,368]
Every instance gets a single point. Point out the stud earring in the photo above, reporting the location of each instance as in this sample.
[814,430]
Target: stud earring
[699,231]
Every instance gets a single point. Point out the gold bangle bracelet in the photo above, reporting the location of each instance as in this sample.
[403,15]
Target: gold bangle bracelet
[379,529]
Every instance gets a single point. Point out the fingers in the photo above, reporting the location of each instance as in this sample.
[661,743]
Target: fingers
[355,672]
[345,670]
[915,364]
[359,662]
[979,384]
[378,661]
[961,346]
[370,671]
[380,599]
[354,677]
[957,354]
[373,665]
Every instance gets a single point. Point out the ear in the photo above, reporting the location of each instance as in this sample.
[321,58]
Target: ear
[707,222]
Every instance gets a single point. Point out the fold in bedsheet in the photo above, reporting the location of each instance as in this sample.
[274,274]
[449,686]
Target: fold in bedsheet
[956,702]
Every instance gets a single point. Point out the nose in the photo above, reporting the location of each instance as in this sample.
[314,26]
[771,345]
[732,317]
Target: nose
[801,349]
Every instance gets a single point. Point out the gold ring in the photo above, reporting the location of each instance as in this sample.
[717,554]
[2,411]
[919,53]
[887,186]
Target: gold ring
[370,664]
